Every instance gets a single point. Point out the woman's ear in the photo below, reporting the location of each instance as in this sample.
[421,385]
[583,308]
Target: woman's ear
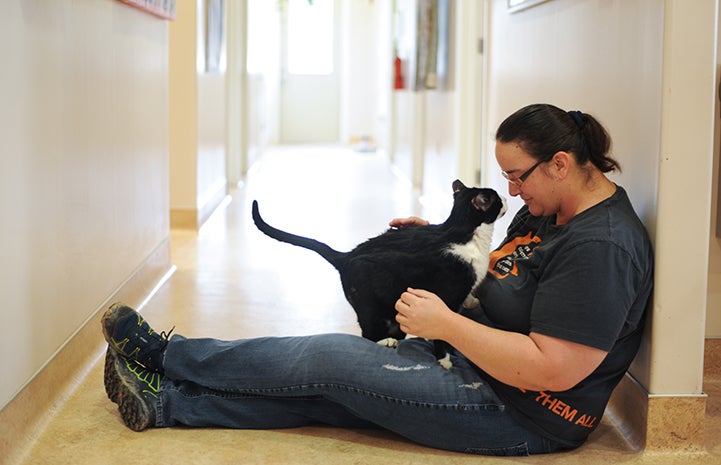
[560,164]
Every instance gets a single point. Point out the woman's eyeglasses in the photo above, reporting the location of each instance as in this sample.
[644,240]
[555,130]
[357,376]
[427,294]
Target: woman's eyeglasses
[518,182]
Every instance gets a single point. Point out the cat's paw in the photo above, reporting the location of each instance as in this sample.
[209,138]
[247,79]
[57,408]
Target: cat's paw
[471,302]
[446,362]
[388,342]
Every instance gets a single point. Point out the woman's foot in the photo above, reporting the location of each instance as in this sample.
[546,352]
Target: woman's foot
[129,335]
[134,388]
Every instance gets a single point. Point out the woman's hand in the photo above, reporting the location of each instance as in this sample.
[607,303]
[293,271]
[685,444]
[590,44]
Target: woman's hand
[422,313]
[411,221]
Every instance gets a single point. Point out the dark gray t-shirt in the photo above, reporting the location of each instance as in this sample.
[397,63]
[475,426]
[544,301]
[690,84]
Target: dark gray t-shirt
[587,282]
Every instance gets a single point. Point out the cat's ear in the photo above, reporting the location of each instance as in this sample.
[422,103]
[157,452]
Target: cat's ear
[458,186]
[482,202]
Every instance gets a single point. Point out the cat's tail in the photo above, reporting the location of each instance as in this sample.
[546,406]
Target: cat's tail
[333,256]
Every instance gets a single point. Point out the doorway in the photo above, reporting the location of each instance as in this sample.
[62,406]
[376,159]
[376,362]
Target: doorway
[310,80]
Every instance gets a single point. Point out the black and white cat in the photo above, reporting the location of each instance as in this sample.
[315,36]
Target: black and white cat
[449,259]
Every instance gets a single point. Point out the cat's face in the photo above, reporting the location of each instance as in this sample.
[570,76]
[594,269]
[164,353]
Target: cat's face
[480,205]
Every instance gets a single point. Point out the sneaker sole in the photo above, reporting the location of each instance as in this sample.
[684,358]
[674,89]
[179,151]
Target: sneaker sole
[110,377]
[133,410]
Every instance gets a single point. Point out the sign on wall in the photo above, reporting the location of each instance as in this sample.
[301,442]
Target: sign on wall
[161,8]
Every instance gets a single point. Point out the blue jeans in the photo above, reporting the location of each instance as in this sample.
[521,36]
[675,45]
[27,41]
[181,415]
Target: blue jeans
[341,380]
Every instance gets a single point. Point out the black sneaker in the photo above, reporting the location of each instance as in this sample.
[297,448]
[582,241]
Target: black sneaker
[134,388]
[128,334]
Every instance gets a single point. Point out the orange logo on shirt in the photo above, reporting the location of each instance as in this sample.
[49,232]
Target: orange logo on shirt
[503,261]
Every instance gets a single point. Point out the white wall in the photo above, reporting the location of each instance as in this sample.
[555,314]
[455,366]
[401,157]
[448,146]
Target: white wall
[183,101]
[211,139]
[713,316]
[198,120]
[436,133]
[263,84]
[84,167]
[423,122]
[603,58]
[359,67]
[687,128]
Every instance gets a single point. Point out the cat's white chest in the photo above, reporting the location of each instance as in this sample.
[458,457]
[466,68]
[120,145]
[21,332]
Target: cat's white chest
[476,252]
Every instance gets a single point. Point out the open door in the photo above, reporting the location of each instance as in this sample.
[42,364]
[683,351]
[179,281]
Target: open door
[310,82]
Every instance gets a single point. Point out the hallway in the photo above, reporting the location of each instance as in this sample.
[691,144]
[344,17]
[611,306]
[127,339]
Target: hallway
[231,281]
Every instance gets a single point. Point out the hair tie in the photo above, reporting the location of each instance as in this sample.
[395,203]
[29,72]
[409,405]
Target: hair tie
[577,118]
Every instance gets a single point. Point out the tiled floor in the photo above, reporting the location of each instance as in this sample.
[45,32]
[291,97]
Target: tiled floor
[231,281]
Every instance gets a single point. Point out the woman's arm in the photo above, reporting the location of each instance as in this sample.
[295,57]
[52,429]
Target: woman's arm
[535,362]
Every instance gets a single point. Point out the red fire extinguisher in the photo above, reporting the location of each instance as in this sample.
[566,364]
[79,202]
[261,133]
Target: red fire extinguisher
[398,73]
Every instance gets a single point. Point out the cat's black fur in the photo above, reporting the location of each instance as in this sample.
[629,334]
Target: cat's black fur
[448,259]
